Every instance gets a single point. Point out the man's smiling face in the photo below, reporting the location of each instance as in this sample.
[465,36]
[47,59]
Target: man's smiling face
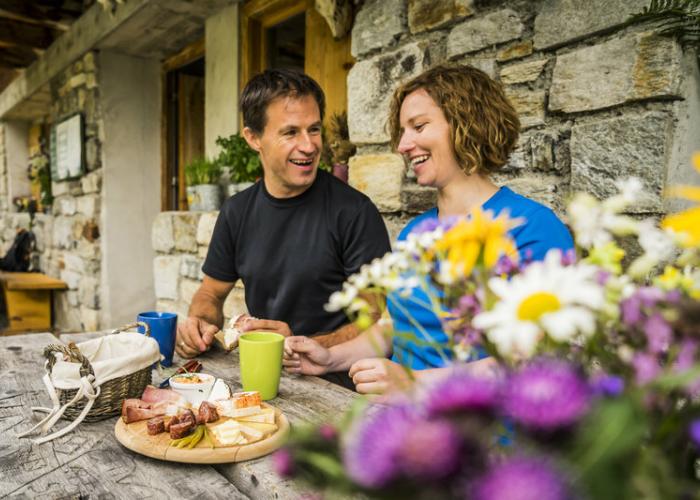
[290,145]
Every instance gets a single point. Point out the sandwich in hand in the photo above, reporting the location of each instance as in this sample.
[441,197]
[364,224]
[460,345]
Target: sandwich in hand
[228,337]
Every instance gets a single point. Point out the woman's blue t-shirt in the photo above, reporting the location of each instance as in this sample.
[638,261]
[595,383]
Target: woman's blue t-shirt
[541,232]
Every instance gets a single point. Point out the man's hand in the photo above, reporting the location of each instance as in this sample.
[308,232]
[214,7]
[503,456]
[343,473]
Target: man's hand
[379,376]
[194,336]
[306,356]
[270,325]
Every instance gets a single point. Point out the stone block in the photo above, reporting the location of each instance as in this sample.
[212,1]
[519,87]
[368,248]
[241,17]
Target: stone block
[73,298]
[377,25]
[166,276]
[65,205]
[92,182]
[478,33]
[379,176]
[621,147]
[75,263]
[529,104]
[20,220]
[89,250]
[71,278]
[66,315]
[515,51]
[638,66]
[162,236]
[187,290]
[395,224]
[424,15]
[205,228]
[92,154]
[89,319]
[523,72]
[416,198]
[542,150]
[185,230]
[72,188]
[191,267]
[88,205]
[62,232]
[562,21]
[89,292]
[90,81]
[370,85]
[235,303]
[202,252]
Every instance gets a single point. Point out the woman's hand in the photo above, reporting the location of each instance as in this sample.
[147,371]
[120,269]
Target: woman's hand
[379,376]
[306,356]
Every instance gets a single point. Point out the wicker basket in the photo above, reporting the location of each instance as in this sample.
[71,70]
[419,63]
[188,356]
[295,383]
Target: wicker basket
[112,393]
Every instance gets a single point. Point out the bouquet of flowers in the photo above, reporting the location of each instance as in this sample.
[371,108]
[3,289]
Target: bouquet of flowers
[596,389]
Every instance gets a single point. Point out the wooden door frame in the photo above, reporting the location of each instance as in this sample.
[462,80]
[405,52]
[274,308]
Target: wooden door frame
[187,55]
[257,15]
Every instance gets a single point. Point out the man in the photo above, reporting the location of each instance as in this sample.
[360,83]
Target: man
[292,238]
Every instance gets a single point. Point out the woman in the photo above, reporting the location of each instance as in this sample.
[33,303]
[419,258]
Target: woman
[455,127]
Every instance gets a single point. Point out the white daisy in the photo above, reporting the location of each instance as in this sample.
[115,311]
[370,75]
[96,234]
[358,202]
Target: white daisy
[547,298]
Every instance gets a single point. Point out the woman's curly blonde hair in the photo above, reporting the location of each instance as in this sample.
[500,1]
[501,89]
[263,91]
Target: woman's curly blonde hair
[483,123]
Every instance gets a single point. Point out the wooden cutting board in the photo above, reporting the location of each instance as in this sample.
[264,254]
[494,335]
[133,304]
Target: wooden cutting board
[135,437]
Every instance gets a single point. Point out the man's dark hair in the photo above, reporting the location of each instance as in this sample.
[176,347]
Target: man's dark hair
[267,86]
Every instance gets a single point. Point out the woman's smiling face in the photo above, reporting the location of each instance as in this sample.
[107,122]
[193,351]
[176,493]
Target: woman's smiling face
[426,142]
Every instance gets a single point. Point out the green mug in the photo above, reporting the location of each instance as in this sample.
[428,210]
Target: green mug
[261,362]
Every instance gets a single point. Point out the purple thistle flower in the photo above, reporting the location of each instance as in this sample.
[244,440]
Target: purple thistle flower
[547,395]
[328,432]
[371,453]
[505,265]
[658,333]
[520,478]
[430,450]
[631,309]
[686,356]
[602,277]
[646,368]
[650,295]
[695,432]
[568,258]
[463,392]
[283,462]
[608,385]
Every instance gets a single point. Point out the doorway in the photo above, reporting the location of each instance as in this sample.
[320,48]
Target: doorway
[183,85]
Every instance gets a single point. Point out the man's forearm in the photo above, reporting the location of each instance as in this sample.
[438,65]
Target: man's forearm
[342,334]
[207,306]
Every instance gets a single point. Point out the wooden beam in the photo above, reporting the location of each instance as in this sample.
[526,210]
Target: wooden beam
[16,57]
[26,34]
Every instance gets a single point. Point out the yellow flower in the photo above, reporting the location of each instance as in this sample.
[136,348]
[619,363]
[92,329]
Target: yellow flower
[688,221]
[675,279]
[608,256]
[481,238]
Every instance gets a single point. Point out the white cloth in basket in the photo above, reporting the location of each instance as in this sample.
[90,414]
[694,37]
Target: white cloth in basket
[111,356]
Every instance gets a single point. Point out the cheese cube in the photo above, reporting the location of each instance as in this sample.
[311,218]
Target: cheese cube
[266,416]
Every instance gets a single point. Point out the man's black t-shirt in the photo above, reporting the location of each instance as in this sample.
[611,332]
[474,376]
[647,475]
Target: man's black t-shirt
[292,253]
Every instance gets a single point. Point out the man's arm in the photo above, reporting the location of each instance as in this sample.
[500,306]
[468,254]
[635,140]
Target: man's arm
[205,317]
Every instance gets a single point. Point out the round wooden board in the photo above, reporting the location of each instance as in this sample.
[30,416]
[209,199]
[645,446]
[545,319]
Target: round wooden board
[135,437]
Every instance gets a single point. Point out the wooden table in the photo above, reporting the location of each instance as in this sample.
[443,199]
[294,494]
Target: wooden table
[89,462]
[27,299]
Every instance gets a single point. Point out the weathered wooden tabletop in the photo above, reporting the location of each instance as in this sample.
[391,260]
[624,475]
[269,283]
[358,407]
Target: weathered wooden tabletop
[90,463]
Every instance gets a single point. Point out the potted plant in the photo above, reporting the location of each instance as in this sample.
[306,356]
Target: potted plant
[202,179]
[242,161]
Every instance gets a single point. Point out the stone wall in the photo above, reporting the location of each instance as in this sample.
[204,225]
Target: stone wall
[597,101]
[68,237]
[181,240]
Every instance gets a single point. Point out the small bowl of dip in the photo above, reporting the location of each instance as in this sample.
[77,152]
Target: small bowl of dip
[194,387]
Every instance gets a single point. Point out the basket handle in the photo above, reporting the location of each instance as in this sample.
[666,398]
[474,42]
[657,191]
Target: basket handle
[72,352]
[146,328]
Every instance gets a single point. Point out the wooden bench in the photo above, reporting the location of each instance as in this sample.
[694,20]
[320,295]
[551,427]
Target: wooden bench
[27,299]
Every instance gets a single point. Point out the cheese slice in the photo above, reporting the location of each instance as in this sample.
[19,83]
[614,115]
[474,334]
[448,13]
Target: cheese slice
[251,433]
[266,416]
[228,433]
[266,429]
[227,408]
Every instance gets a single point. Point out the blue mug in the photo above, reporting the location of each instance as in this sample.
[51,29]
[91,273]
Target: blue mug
[163,327]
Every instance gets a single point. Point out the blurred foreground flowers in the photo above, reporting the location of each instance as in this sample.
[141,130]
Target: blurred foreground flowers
[596,390]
